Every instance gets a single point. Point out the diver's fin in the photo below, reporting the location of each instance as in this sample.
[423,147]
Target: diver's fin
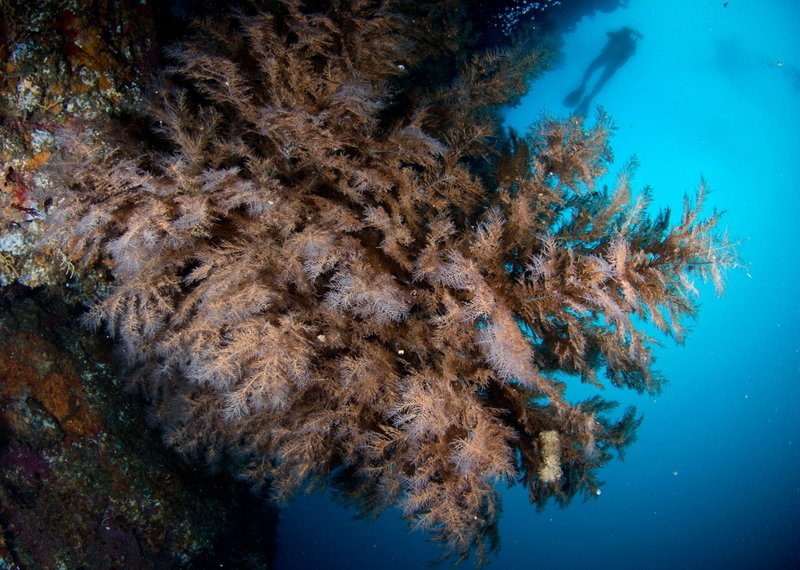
[573,98]
[583,109]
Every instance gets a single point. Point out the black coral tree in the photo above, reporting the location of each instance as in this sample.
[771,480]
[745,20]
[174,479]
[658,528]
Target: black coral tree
[325,272]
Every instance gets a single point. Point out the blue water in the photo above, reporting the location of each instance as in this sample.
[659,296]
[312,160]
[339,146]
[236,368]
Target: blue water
[711,91]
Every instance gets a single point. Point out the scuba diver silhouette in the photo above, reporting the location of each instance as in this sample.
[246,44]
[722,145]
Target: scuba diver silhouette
[620,47]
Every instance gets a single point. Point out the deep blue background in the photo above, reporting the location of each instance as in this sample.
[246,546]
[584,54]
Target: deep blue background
[711,91]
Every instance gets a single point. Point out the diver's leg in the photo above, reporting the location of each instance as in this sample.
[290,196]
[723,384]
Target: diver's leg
[583,108]
[572,99]
[608,72]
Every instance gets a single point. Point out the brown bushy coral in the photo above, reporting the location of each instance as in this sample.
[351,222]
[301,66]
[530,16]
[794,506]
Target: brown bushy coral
[327,276]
